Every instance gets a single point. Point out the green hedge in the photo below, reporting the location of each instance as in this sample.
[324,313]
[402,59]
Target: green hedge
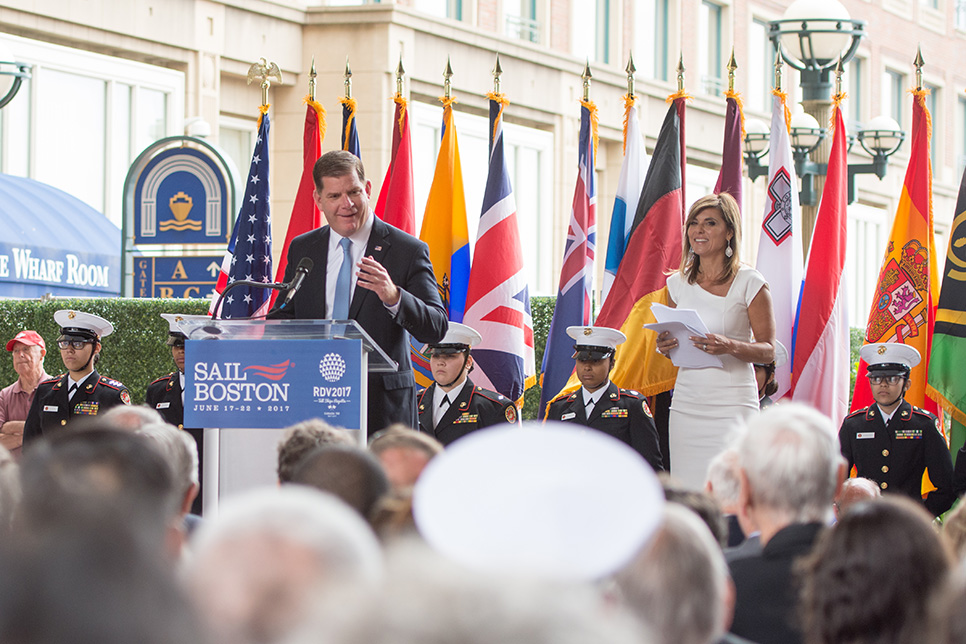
[136,353]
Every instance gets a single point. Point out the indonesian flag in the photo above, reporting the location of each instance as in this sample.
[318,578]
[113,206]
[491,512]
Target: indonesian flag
[820,366]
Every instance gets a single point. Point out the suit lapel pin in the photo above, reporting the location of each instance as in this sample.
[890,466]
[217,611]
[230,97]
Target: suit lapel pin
[462,405]
[613,396]
[377,248]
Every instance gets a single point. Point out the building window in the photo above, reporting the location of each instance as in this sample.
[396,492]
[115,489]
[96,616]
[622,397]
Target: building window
[521,20]
[651,37]
[863,257]
[119,108]
[929,4]
[709,43]
[590,30]
[893,90]
[961,156]
[932,104]
[761,66]
[960,10]
[853,79]
[441,8]
[529,156]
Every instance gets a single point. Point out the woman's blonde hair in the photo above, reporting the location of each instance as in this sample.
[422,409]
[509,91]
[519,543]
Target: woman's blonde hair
[728,207]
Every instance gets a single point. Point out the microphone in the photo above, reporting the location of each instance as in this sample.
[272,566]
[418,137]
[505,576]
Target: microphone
[301,271]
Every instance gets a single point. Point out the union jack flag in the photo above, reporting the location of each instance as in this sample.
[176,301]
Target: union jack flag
[249,254]
[498,298]
[576,276]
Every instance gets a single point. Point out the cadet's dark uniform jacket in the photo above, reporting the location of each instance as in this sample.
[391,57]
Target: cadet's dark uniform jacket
[164,396]
[896,456]
[622,413]
[473,409]
[51,410]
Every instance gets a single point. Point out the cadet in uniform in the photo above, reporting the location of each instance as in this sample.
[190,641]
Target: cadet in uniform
[453,406]
[81,391]
[898,446]
[601,404]
[166,394]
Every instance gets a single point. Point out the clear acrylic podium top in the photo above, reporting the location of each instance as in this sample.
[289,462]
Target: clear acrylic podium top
[201,327]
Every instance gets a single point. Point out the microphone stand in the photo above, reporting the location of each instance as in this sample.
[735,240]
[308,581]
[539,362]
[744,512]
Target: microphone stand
[276,286]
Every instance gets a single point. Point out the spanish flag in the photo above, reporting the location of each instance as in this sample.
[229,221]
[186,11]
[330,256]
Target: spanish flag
[904,302]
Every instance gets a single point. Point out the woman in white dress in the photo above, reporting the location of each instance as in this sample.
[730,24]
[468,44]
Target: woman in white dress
[734,302]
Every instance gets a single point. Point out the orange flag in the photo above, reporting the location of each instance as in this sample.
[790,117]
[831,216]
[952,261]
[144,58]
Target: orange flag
[905,299]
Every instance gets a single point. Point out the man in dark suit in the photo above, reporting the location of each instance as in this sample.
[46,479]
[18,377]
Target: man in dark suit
[791,470]
[81,391]
[453,406]
[371,272]
[898,446]
[601,404]
[166,395]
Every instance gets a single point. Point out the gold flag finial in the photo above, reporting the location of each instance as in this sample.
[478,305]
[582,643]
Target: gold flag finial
[348,79]
[919,62]
[263,71]
[447,83]
[681,73]
[630,69]
[732,66]
[779,65]
[587,76]
[400,72]
[838,77]
[497,72]
[312,76]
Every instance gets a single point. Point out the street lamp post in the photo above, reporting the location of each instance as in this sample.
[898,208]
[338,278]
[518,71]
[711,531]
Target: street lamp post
[817,37]
[813,36]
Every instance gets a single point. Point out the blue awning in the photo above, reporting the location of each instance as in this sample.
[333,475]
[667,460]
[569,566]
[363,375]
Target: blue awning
[52,242]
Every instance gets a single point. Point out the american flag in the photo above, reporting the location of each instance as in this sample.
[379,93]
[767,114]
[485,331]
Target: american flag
[498,298]
[249,254]
[576,276]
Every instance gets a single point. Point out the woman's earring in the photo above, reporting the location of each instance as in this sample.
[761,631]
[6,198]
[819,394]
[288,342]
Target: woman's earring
[728,251]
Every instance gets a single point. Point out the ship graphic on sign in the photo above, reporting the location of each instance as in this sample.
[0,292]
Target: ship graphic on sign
[180,205]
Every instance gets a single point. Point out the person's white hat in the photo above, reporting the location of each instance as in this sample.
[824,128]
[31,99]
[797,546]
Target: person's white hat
[594,342]
[548,499]
[176,334]
[781,355]
[889,358]
[82,325]
[458,339]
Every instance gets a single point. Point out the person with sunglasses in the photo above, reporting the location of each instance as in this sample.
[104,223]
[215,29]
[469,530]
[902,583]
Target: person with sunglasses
[81,391]
[898,446]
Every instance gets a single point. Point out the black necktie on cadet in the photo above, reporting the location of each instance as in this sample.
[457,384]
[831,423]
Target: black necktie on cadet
[70,392]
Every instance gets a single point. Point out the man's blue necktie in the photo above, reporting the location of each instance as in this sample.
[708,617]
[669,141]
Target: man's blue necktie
[343,284]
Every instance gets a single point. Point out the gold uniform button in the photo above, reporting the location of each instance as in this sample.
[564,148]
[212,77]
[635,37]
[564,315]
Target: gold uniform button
[885,468]
[883,485]
[885,452]
[63,422]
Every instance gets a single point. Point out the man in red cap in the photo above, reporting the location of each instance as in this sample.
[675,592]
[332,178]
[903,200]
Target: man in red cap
[28,351]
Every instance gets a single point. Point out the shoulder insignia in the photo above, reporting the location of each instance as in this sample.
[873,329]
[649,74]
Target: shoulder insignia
[857,412]
[168,377]
[115,384]
[491,395]
[52,380]
[573,396]
[630,393]
[511,413]
[647,410]
[125,397]
[923,412]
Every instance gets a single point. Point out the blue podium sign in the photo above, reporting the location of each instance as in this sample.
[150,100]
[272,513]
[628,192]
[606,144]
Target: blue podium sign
[273,383]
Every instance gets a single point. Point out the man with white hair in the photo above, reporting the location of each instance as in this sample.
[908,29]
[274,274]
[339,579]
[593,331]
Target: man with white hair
[791,470]
[179,450]
[260,564]
[678,583]
[724,484]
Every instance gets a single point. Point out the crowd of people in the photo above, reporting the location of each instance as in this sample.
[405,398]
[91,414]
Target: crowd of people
[761,522]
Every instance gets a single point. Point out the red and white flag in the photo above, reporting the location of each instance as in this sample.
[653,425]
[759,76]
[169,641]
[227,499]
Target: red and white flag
[820,369]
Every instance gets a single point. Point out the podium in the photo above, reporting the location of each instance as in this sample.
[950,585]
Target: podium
[247,380]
